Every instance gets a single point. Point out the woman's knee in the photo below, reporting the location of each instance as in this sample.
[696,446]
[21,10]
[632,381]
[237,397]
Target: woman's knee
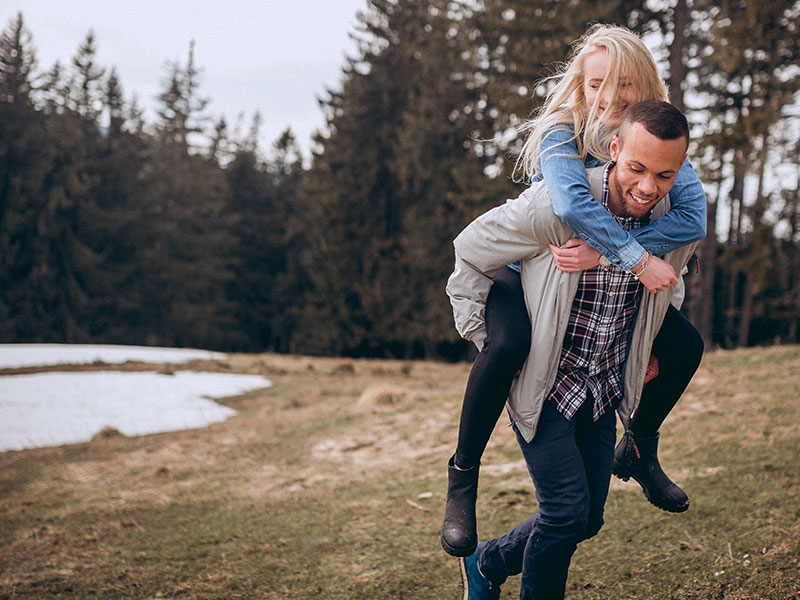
[678,342]
[508,326]
[694,345]
[509,345]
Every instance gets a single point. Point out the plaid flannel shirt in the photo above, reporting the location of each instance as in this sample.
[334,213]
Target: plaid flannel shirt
[595,344]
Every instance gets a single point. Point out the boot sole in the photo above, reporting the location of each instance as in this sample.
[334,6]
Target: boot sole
[457,552]
[462,565]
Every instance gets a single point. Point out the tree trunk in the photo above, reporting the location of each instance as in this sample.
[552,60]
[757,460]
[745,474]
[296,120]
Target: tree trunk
[793,210]
[731,308]
[700,308]
[736,196]
[701,297]
[746,314]
[677,68]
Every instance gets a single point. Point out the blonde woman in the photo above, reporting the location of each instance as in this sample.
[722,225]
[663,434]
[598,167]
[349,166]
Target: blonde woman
[610,69]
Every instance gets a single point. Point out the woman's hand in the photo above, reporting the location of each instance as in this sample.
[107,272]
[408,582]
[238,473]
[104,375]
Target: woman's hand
[574,255]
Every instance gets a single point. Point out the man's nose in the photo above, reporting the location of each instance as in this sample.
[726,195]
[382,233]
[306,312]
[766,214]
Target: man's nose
[648,185]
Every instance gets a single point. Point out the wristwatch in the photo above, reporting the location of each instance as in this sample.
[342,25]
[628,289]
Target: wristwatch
[604,262]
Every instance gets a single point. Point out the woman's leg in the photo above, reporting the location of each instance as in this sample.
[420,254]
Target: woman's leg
[504,351]
[679,349]
[508,338]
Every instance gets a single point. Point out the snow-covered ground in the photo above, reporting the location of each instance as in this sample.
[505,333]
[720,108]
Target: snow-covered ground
[51,409]
[35,355]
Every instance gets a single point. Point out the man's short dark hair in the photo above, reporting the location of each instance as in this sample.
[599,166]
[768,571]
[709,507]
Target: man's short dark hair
[661,119]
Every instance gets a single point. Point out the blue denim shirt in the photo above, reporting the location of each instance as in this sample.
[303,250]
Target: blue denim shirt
[568,186]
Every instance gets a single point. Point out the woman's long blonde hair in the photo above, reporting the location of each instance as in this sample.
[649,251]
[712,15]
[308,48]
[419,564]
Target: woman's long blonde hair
[630,61]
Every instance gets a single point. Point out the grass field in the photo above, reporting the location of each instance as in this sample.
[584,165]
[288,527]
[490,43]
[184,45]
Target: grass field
[319,489]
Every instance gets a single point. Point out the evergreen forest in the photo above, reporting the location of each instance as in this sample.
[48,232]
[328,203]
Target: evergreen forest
[183,231]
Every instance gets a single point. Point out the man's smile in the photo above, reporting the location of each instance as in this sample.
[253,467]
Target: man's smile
[641,200]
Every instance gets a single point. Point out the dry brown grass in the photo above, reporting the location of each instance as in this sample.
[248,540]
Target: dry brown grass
[312,491]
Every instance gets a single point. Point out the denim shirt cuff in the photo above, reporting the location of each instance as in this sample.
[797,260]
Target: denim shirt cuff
[630,255]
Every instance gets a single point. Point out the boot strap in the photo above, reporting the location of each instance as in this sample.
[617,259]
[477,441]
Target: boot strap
[631,450]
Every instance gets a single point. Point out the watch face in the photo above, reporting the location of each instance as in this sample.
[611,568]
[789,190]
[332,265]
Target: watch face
[604,262]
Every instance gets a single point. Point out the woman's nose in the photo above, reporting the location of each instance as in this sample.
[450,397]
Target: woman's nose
[606,97]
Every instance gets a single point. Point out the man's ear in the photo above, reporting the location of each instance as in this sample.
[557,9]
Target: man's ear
[614,148]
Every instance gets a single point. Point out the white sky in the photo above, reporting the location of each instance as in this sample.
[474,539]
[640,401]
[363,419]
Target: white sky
[51,409]
[274,56]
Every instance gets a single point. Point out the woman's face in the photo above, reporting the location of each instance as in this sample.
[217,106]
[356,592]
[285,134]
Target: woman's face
[595,70]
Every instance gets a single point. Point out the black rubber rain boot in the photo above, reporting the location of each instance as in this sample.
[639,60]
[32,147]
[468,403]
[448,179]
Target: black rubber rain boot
[637,457]
[459,531]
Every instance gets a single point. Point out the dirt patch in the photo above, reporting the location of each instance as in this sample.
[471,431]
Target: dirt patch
[107,433]
[380,397]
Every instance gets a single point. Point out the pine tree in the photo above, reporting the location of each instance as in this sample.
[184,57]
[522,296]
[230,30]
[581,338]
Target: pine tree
[17,61]
[53,93]
[115,104]
[86,85]
[184,231]
[112,214]
[390,186]
[181,114]
[267,285]
[49,265]
[744,86]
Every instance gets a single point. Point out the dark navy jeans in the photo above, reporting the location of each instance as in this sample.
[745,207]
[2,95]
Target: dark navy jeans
[570,465]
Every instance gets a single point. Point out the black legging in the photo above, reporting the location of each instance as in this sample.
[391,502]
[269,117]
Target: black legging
[678,347]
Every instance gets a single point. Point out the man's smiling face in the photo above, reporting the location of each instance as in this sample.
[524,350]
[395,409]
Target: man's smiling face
[645,170]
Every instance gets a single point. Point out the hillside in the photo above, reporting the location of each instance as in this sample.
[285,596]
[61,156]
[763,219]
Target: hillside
[318,488]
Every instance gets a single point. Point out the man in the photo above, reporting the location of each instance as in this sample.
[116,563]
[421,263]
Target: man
[591,337]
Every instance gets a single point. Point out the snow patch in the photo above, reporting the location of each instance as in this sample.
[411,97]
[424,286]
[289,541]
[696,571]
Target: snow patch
[51,409]
[34,355]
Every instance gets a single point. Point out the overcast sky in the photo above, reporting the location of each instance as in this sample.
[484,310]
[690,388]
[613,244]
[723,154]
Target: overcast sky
[272,56]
